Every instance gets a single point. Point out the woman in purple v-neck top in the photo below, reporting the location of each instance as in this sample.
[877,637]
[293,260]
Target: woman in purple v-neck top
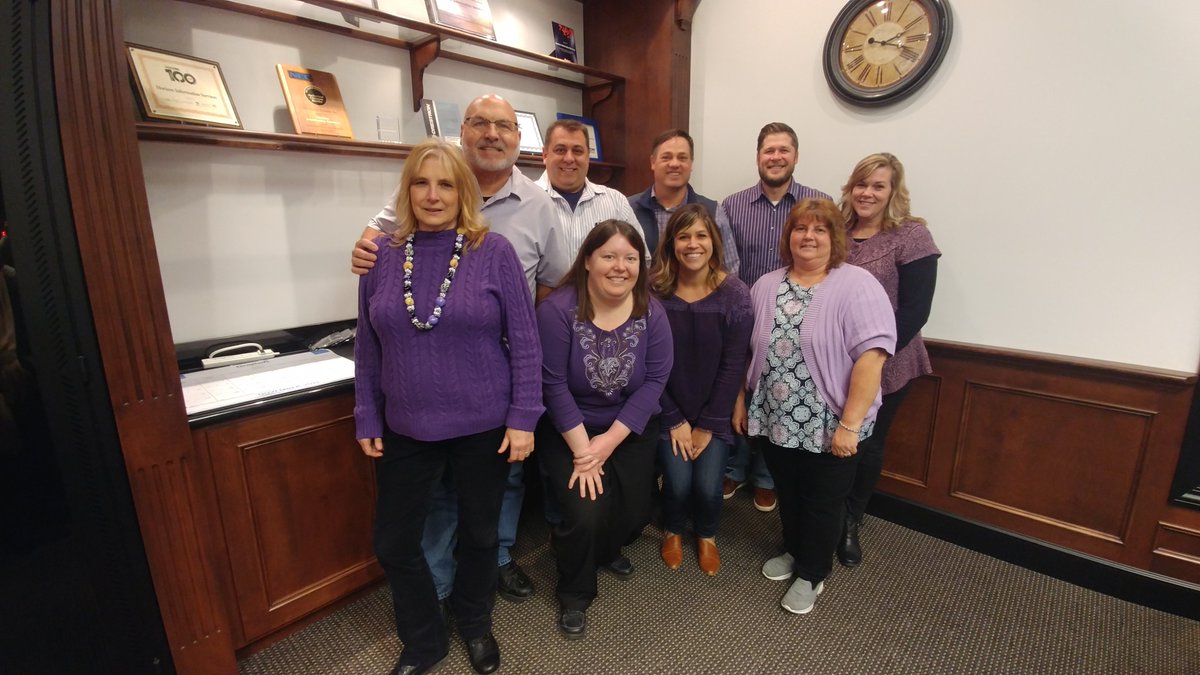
[711,321]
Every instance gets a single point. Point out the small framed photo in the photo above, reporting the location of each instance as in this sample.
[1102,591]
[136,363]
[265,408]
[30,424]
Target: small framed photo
[531,133]
[181,88]
[593,134]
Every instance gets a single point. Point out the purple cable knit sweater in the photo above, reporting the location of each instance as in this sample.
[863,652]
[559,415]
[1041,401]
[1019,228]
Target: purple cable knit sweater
[460,378]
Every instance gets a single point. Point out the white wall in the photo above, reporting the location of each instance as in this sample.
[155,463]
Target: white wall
[253,240]
[1053,153]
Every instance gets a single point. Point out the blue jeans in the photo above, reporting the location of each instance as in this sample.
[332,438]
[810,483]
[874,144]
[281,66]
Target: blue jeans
[441,526]
[744,454]
[696,484]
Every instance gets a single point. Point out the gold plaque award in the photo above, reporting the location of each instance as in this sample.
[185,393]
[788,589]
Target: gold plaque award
[181,88]
[314,101]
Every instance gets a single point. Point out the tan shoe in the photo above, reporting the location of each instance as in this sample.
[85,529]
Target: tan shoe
[764,500]
[672,550]
[710,559]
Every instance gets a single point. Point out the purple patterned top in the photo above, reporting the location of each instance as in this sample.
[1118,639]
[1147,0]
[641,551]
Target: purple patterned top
[882,255]
[596,377]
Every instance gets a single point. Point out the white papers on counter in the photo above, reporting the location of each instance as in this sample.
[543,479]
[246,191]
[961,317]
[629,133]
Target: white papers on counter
[233,385]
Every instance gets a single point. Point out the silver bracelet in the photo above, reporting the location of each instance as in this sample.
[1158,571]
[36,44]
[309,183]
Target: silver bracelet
[853,431]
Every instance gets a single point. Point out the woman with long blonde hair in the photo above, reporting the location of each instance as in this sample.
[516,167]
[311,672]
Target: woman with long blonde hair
[896,247]
[447,379]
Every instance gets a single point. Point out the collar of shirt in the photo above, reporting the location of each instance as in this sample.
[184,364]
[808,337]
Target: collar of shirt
[590,189]
[689,198]
[518,187]
[793,190]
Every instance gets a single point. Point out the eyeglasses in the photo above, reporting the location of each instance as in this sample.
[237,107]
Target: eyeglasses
[482,123]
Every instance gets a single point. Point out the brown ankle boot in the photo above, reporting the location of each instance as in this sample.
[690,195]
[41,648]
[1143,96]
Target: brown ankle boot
[672,550]
[710,559]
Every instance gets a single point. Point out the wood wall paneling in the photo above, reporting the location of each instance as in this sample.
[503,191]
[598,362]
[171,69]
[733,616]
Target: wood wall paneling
[1048,458]
[108,205]
[910,441]
[297,498]
[1072,452]
[642,40]
[1176,552]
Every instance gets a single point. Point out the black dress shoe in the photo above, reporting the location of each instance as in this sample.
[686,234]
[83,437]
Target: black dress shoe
[484,654]
[512,584]
[849,551]
[620,567]
[414,668]
[572,623]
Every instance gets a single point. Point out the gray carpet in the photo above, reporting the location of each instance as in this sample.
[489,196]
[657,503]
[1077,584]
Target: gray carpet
[917,605]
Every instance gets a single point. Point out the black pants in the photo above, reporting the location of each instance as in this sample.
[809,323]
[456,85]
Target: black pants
[592,533]
[870,453]
[405,476]
[812,489]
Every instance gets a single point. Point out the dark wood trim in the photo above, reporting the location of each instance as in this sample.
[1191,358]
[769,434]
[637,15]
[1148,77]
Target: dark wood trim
[1121,581]
[644,40]
[1109,370]
[116,243]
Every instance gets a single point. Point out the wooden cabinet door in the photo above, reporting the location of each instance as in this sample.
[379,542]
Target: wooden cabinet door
[297,500]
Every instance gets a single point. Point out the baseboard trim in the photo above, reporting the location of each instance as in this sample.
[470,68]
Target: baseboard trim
[1120,581]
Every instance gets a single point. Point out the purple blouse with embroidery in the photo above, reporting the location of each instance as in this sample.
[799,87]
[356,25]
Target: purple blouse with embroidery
[595,377]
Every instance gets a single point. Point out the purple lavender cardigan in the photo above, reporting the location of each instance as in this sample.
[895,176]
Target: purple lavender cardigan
[848,315]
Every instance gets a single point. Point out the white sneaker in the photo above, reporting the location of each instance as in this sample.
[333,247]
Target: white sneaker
[779,568]
[801,597]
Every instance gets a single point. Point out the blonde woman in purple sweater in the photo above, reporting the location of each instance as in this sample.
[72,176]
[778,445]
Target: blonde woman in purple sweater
[897,249]
[447,378]
[822,332]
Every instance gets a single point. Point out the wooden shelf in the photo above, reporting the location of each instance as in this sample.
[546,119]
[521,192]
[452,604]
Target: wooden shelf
[263,140]
[428,42]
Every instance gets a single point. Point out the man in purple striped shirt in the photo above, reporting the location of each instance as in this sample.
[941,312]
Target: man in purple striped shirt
[756,218]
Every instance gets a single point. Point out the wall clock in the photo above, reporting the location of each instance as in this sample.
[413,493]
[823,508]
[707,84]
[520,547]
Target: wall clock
[880,51]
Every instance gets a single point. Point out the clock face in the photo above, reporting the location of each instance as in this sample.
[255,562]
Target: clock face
[879,51]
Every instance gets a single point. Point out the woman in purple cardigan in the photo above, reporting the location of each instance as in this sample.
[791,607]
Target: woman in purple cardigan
[446,378]
[822,331]
[895,247]
[710,317]
[607,347]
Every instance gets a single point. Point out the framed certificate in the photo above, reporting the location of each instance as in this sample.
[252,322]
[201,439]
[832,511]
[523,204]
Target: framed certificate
[469,16]
[593,133]
[181,88]
[531,133]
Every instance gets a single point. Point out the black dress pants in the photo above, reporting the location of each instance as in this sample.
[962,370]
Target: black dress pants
[812,489]
[404,478]
[592,533]
[870,453]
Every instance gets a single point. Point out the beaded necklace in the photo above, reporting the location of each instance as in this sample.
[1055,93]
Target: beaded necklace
[440,302]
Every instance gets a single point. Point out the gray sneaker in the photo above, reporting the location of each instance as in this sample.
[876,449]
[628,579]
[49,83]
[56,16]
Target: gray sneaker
[779,568]
[801,597]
